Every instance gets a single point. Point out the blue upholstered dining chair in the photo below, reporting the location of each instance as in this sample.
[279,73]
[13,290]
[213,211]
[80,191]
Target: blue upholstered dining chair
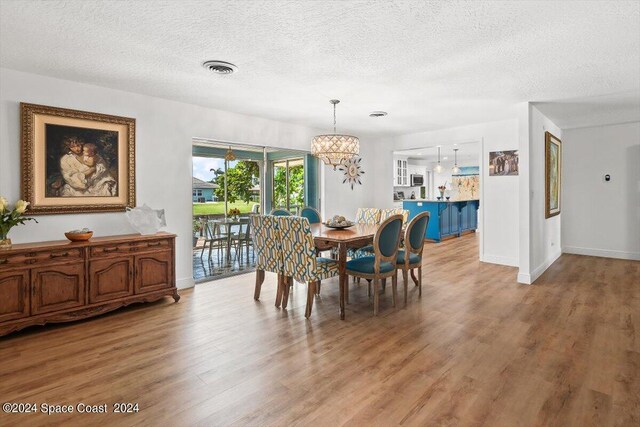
[268,252]
[299,258]
[279,212]
[382,264]
[384,215]
[311,214]
[410,257]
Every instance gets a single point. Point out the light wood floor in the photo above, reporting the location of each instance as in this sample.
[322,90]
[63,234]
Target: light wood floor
[476,349]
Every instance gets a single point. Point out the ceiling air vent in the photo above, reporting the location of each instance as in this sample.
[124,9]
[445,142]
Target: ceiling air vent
[220,67]
[377,114]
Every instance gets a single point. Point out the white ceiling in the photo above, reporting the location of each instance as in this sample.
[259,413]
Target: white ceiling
[430,64]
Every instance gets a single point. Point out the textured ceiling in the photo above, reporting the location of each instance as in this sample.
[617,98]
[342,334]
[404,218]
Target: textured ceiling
[430,64]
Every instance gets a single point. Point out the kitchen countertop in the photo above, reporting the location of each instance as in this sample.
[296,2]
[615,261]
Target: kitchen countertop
[439,201]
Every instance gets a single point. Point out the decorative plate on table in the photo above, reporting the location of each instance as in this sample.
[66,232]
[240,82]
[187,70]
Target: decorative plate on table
[339,222]
[340,227]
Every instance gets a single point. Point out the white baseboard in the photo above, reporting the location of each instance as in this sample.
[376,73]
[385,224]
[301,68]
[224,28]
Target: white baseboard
[529,278]
[185,283]
[605,253]
[524,278]
[502,260]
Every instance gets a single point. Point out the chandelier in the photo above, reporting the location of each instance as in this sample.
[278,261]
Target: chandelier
[335,148]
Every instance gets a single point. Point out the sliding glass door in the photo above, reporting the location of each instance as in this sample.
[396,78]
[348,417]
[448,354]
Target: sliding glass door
[289,184]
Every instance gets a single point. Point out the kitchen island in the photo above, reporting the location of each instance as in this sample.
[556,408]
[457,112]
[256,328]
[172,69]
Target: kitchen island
[448,218]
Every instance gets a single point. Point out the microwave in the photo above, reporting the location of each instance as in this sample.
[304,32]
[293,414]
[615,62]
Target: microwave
[417,180]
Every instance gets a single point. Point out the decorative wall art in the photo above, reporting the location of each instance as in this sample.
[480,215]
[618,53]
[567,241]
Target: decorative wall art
[553,172]
[503,163]
[76,161]
[465,187]
[352,170]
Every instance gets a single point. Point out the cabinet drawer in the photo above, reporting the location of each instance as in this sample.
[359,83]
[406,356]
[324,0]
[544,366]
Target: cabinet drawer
[129,247]
[36,258]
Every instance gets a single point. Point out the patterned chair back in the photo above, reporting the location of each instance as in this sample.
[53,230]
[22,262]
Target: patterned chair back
[369,216]
[311,214]
[266,243]
[299,253]
[388,213]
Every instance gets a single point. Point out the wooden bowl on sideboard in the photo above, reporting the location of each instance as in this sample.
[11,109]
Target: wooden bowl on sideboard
[79,237]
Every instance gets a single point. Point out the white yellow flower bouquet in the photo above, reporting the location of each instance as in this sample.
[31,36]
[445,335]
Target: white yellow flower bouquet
[9,218]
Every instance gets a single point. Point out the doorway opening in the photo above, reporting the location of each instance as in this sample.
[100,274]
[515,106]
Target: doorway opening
[446,181]
[231,182]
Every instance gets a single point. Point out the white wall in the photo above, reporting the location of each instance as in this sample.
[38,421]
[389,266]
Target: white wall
[163,155]
[545,244]
[499,219]
[601,218]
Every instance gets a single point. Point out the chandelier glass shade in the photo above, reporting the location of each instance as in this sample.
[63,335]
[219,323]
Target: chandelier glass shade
[438,167]
[333,149]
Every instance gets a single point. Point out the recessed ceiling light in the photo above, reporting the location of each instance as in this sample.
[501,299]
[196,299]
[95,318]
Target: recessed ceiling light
[419,154]
[377,114]
[444,158]
[220,67]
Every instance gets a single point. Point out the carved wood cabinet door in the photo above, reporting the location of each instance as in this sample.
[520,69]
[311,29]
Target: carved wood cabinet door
[14,295]
[110,279]
[154,271]
[57,287]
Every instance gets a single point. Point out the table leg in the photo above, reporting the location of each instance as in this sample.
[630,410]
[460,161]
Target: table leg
[342,268]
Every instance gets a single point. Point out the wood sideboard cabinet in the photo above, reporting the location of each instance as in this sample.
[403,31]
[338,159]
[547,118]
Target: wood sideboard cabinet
[63,281]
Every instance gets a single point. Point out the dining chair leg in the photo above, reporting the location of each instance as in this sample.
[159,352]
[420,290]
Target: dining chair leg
[288,282]
[413,276]
[318,285]
[394,289]
[405,280]
[376,296]
[369,289]
[311,290]
[279,290]
[259,281]
[420,280]
[384,285]
[202,251]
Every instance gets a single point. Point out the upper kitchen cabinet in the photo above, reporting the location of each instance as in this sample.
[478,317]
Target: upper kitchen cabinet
[400,172]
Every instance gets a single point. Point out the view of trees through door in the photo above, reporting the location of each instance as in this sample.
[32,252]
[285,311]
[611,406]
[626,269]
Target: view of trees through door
[288,184]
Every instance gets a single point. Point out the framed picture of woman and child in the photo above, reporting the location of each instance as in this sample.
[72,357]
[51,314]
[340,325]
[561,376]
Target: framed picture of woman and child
[76,161]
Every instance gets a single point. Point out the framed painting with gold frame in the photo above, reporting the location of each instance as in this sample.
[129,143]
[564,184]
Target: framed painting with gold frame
[76,161]
[553,174]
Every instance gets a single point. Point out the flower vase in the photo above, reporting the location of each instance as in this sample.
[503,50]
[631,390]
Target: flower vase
[5,242]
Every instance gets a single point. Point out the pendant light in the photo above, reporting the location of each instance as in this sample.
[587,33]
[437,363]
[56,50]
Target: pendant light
[335,148]
[456,169]
[438,167]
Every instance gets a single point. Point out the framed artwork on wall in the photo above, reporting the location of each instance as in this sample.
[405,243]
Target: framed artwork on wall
[76,161]
[503,163]
[553,173]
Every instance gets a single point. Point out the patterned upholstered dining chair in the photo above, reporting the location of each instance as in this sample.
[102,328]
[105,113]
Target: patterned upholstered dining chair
[279,212]
[410,258]
[382,264]
[369,216]
[386,213]
[268,252]
[299,258]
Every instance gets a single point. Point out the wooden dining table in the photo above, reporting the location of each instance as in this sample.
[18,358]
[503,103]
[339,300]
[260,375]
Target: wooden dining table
[357,236]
